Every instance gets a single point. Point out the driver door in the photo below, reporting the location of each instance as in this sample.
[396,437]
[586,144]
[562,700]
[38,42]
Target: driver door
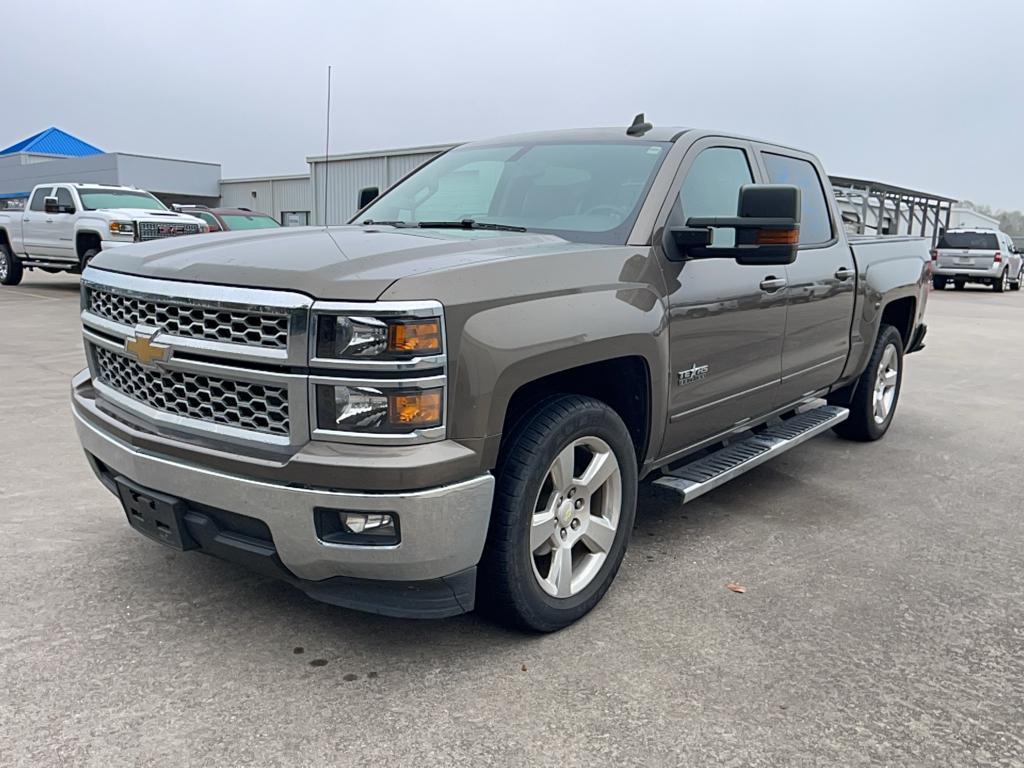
[61,236]
[726,320]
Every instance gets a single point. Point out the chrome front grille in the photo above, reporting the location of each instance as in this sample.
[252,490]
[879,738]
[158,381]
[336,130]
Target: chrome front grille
[232,326]
[226,364]
[155,230]
[256,407]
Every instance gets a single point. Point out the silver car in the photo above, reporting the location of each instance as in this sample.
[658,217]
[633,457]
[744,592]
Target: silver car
[985,256]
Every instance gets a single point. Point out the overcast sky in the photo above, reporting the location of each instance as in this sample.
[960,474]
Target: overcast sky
[925,94]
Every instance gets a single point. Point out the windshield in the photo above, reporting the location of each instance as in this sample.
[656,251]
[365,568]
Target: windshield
[241,221]
[969,241]
[587,192]
[94,199]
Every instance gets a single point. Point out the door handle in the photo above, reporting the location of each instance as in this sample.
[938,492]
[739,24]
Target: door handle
[844,273]
[771,284]
[49,221]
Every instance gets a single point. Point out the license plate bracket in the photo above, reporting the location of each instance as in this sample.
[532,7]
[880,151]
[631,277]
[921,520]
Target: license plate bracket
[155,515]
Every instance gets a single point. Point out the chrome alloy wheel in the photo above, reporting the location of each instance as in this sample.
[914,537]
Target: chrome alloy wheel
[5,264]
[1005,279]
[886,379]
[575,517]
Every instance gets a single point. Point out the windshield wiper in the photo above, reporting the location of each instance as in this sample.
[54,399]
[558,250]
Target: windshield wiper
[469,224]
[370,222]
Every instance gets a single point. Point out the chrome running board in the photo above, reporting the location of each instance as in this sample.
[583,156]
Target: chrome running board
[710,471]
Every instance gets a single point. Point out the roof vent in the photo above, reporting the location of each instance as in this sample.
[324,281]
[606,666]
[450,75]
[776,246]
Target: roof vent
[639,126]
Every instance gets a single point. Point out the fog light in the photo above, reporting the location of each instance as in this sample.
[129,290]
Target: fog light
[357,522]
[359,528]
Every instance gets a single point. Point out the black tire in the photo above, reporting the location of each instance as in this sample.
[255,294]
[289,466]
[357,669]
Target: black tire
[508,589]
[862,425]
[86,258]
[939,283]
[958,285]
[1015,284]
[11,270]
[999,285]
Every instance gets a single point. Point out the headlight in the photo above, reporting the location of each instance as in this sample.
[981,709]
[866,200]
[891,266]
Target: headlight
[350,408]
[391,385]
[383,338]
[122,228]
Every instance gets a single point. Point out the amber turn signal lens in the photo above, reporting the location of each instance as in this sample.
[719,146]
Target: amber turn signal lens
[417,409]
[778,236]
[419,336]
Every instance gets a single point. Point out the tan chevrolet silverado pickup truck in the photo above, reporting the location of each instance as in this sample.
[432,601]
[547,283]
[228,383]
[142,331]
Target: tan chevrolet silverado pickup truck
[449,402]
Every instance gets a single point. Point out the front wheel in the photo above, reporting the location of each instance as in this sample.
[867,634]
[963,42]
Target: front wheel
[1015,284]
[11,270]
[87,257]
[877,390]
[563,512]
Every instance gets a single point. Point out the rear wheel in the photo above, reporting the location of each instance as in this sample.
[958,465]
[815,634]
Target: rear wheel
[877,391]
[11,270]
[563,512]
[938,283]
[1001,283]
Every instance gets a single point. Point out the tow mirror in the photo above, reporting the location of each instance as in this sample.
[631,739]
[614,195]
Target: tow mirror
[50,205]
[767,227]
[367,195]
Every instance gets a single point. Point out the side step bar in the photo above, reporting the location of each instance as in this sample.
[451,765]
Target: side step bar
[710,471]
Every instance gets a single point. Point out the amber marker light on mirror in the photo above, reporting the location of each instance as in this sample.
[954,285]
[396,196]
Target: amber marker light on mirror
[778,236]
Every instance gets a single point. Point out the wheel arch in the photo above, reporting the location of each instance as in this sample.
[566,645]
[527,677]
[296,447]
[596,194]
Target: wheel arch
[86,238]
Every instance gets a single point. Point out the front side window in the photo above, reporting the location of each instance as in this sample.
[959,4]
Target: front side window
[583,191]
[97,198]
[712,188]
[64,200]
[815,224]
[207,217]
[39,197]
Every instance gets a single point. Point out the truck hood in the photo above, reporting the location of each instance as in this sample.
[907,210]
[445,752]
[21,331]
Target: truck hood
[144,214]
[338,263]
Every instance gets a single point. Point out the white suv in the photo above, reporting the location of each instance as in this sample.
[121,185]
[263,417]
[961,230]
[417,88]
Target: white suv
[977,256]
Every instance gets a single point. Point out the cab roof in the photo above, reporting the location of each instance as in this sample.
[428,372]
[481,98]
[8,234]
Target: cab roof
[657,133]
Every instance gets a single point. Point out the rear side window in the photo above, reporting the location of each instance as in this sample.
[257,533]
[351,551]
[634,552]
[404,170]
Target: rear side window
[969,241]
[815,225]
[38,197]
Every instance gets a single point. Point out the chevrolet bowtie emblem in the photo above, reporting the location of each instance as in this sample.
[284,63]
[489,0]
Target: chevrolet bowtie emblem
[142,347]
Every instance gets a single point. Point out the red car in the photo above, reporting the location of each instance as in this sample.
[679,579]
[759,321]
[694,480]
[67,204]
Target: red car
[230,219]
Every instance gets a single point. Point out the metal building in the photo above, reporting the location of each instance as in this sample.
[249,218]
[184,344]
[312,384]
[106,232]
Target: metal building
[289,199]
[338,178]
[53,155]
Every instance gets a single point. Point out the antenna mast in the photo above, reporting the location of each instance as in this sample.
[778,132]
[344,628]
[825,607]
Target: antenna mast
[327,144]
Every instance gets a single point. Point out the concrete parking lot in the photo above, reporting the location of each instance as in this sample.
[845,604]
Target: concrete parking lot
[883,621]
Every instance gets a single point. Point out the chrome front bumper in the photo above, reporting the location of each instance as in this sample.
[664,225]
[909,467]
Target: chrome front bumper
[442,529]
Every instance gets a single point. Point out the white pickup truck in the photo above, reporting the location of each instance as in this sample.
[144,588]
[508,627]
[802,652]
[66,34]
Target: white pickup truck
[65,225]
